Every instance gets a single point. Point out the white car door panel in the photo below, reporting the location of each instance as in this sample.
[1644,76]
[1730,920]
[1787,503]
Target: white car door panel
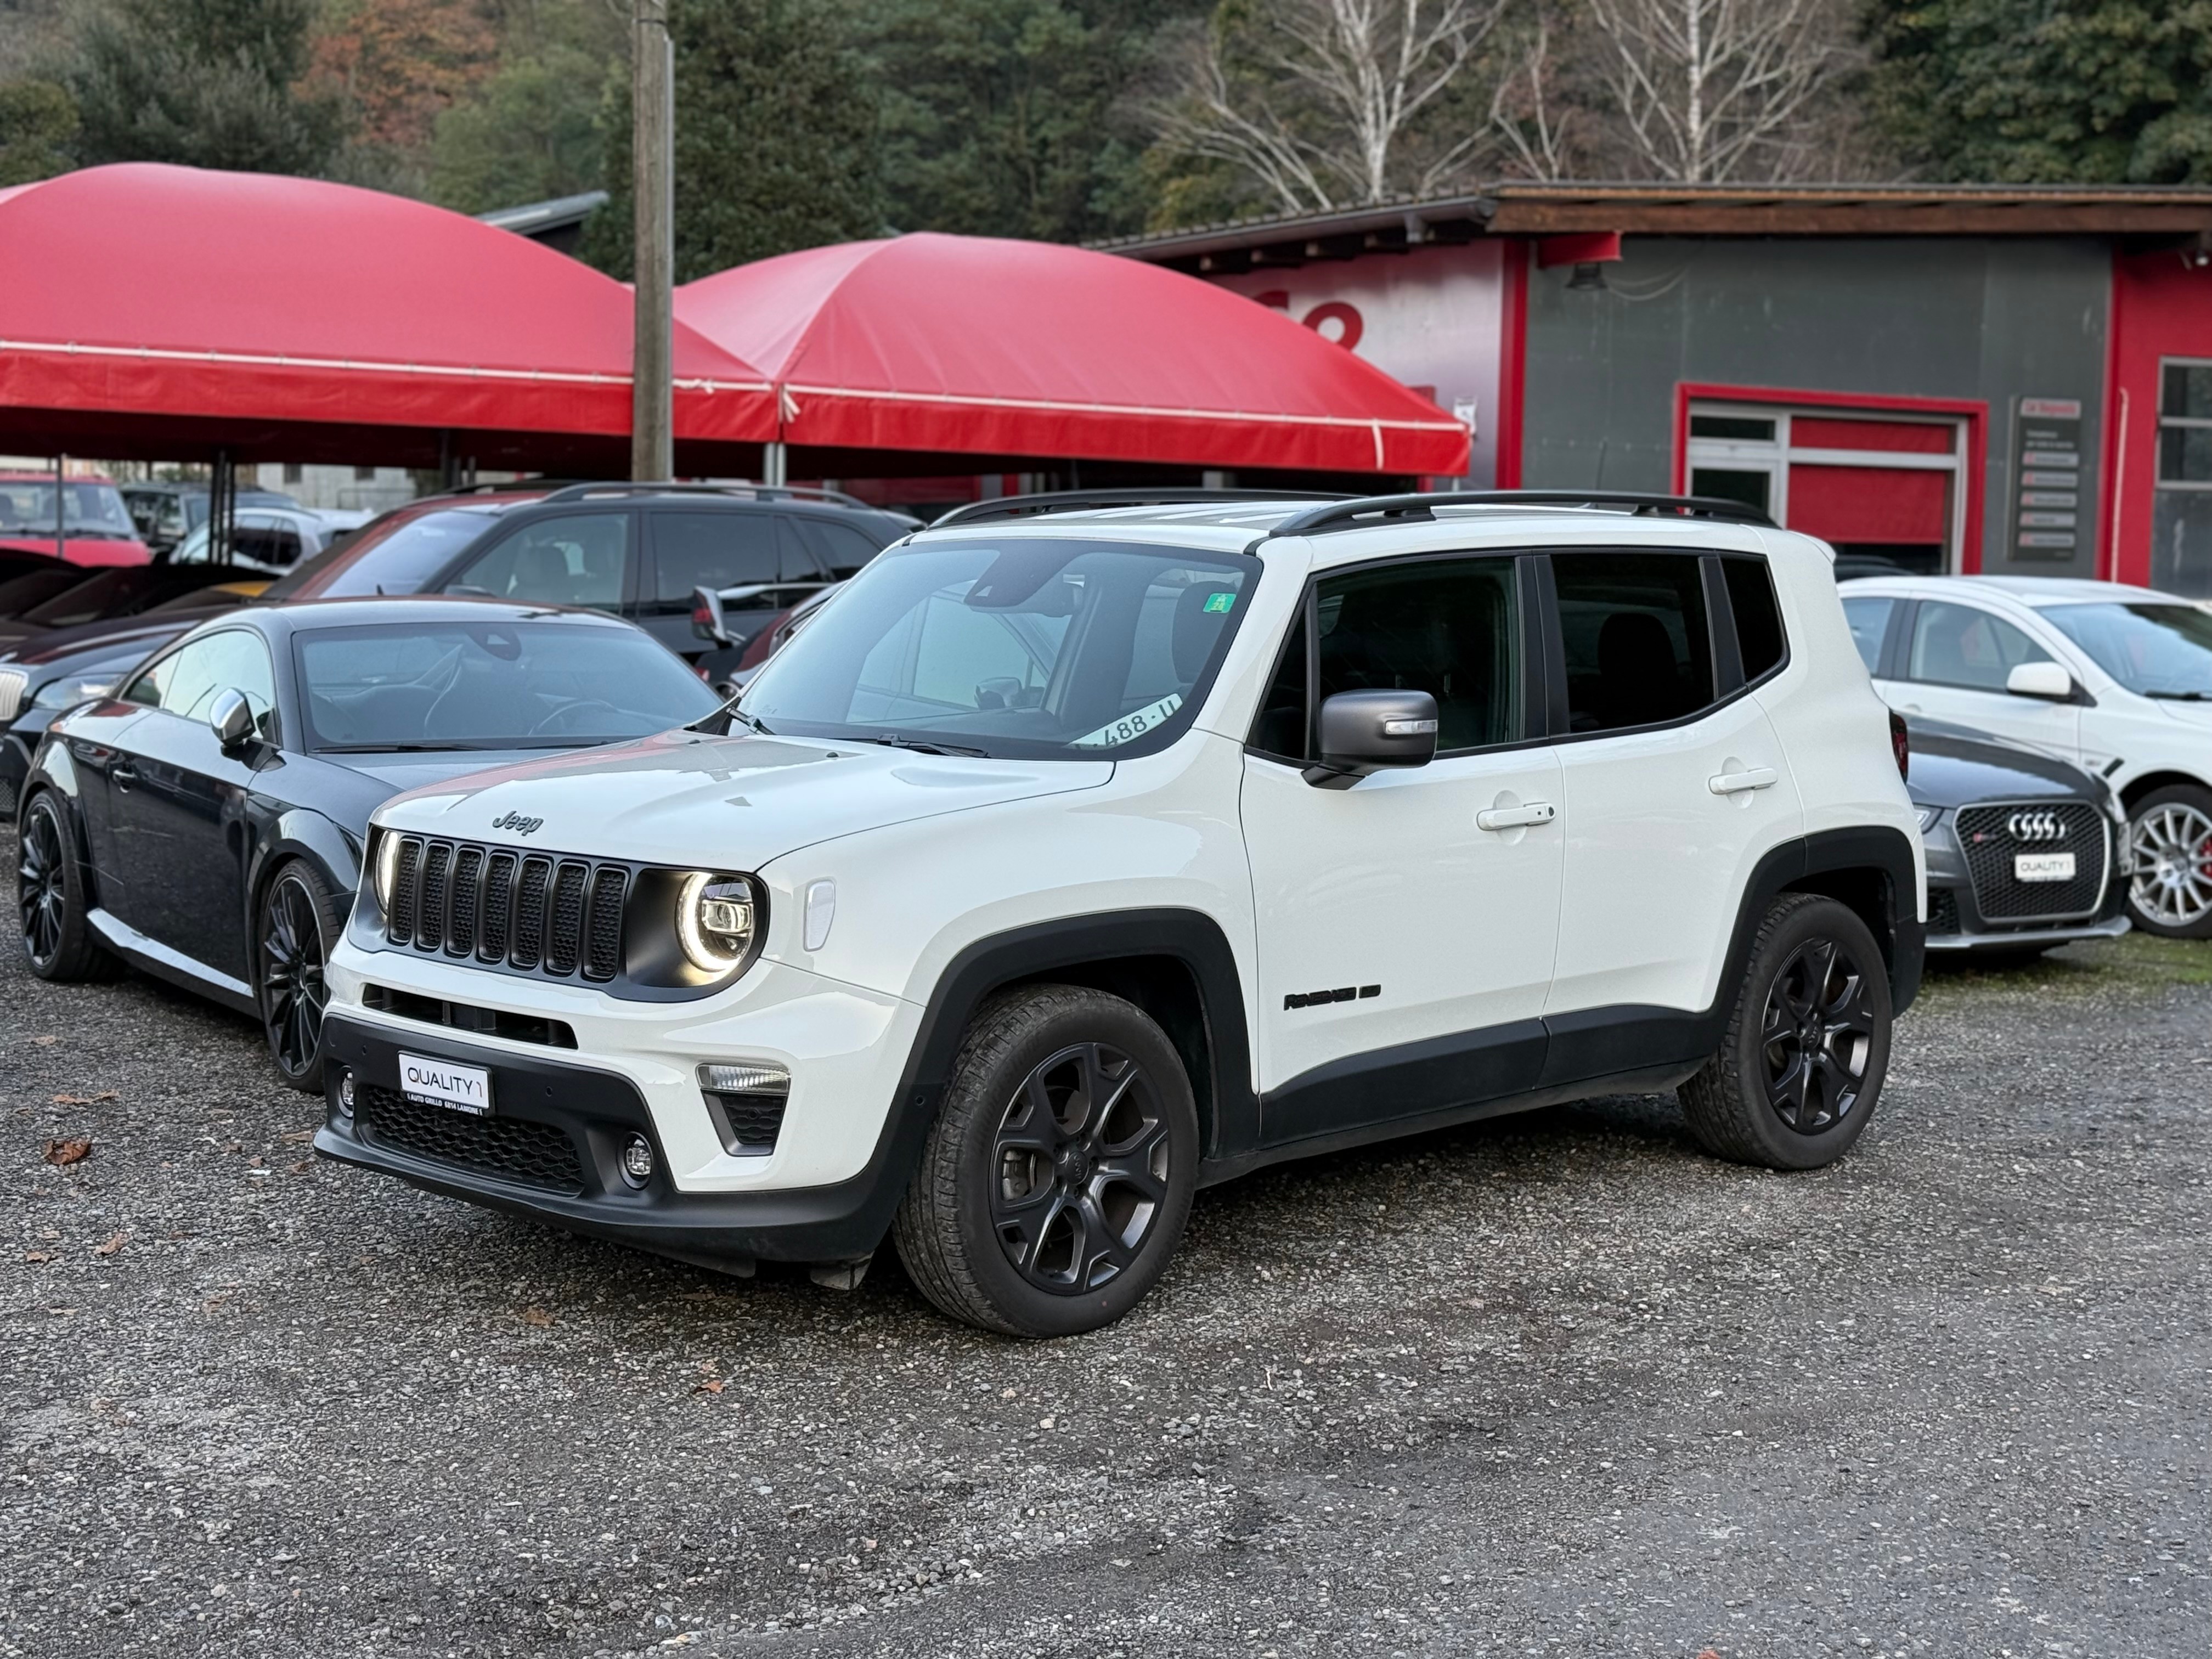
[1954,663]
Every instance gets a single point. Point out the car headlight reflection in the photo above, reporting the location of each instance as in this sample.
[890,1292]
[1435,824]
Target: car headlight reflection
[714,920]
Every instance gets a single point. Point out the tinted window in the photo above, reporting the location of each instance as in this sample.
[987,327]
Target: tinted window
[714,549]
[1633,624]
[841,549]
[395,555]
[2159,650]
[490,685]
[1045,649]
[581,558]
[1957,645]
[1445,627]
[185,681]
[1758,619]
[1869,619]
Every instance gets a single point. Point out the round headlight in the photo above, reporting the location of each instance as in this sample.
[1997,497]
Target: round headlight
[387,867]
[714,920]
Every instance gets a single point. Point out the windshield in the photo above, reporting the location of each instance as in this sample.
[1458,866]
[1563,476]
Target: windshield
[93,510]
[2155,650]
[396,555]
[411,685]
[1017,648]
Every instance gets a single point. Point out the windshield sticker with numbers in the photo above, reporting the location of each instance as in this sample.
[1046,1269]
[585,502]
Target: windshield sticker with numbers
[1129,728]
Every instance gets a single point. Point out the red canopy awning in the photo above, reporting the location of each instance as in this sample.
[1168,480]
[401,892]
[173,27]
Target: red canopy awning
[977,345]
[144,306]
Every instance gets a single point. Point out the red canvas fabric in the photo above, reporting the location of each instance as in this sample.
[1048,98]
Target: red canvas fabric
[978,345]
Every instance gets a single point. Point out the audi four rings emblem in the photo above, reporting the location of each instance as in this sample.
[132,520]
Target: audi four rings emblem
[2036,826]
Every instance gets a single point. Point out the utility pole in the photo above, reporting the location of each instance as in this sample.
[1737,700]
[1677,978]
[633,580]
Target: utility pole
[653,146]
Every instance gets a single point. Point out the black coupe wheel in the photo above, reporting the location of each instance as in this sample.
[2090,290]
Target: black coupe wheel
[293,946]
[1058,1173]
[1806,1046]
[59,942]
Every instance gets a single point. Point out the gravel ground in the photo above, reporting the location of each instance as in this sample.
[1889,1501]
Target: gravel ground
[1554,1384]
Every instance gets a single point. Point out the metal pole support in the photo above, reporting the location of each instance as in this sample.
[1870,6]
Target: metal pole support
[653,104]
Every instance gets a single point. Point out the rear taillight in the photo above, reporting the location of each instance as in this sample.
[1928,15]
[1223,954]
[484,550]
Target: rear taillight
[1900,744]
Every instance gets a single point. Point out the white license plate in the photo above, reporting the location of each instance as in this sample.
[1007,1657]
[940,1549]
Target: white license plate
[2043,866]
[442,1082]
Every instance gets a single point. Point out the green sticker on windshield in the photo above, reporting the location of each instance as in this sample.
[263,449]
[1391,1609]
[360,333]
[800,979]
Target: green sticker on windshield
[1219,601]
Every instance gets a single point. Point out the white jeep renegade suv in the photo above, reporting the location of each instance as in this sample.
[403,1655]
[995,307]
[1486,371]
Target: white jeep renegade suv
[1078,855]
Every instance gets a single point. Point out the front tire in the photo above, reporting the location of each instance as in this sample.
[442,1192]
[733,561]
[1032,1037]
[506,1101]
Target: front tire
[297,922]
[51,902]
[2170,852]
[1807,1045]
[1057,1178]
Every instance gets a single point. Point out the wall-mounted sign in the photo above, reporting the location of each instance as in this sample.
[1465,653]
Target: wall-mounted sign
[2047,478]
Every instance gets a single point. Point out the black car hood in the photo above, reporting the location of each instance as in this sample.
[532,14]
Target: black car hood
[111,636]
[1953,766]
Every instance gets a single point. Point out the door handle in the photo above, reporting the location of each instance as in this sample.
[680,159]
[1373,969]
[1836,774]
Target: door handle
[1735,783]
[122,775]
[1516,817]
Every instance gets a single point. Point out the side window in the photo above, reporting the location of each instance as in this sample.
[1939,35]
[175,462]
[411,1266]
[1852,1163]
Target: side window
[581,559]
[710,550]
[1447,627]
[1758,637]
[1633,625]
[1958,645]
[185,682]
[266,539]
[1869,619]
[841,550]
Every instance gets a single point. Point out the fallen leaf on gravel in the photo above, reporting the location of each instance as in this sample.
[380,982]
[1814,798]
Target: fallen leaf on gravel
[100,1099]
[111,1246]
[68,1152]
[43,1039]
[297,1134]
[536,1316]
[301,1167]
[712,1385]
[34,1257]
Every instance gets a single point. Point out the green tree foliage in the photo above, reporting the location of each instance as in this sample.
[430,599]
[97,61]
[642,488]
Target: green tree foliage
[531,132]
[775,132]
[38,122]
[212,83]
[2048,91]
[1000,117]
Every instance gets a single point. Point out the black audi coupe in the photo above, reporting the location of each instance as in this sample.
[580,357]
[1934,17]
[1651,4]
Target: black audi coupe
[204,820]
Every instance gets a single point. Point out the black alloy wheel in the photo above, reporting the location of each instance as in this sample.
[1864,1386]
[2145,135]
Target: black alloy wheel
[1802,1059]
[51,905]
[1082,1161]
[1818,1036]
[41,897]
[293,951]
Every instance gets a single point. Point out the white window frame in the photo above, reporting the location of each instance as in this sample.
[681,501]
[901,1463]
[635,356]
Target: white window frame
[1775,459]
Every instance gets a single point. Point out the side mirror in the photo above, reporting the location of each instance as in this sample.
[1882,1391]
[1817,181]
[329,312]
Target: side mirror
[232,717]
[707,619]
[1363,732]
[2047,680]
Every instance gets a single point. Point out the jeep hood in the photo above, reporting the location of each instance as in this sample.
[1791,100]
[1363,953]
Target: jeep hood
[735,802]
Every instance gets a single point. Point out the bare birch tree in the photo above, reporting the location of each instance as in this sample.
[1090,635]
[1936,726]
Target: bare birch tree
[1534,124]
[1707,91]
[1320,101]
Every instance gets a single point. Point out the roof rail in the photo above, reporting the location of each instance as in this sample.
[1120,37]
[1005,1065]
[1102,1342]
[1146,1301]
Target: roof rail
[1402,509]
[493,486]
[1077,500]
[761,492]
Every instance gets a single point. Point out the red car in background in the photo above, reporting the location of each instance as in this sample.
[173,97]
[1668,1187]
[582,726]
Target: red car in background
[95,527]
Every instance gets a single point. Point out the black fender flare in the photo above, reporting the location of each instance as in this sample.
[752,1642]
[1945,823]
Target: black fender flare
[1035,952]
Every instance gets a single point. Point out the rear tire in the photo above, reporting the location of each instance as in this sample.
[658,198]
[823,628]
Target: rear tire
[52,903]
[1057,1178]
[295,924]
[1807,1044]
[2170,851]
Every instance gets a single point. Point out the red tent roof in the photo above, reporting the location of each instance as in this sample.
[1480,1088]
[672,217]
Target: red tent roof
[148,304]
[982,346]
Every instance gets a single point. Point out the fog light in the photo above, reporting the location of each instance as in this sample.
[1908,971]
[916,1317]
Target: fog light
[345,1094]
[637,1160]
[746,1078]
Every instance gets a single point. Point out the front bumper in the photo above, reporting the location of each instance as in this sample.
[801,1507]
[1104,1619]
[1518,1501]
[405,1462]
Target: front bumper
[560,1128]
[2104,927]
[1955,921]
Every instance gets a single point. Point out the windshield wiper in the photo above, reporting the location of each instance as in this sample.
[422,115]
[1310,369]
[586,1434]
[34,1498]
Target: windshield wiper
[2182,696]
[396,747]
[728,712]
[920,748]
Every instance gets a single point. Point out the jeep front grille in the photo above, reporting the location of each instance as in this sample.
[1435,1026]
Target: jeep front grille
[561,916]
[1992,833]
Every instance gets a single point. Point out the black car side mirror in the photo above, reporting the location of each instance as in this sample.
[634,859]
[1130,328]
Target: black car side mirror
[232,717]
[1364,732]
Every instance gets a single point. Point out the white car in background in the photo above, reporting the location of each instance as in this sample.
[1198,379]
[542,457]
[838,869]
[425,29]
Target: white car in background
[2116,679]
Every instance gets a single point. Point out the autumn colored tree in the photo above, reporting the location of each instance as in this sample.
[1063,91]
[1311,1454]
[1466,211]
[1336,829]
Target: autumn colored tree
[401,64]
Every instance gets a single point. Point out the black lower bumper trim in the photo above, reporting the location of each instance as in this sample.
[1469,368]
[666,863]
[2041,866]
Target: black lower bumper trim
[598,1111]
